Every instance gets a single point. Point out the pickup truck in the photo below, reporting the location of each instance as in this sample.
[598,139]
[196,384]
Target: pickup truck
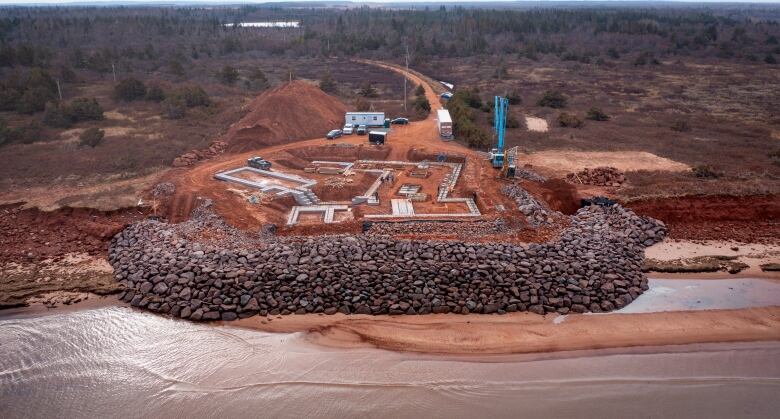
[348,129]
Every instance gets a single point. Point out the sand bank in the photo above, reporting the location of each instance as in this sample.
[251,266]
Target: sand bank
[527,333]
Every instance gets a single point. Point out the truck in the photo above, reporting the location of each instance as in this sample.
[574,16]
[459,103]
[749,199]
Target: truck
[444,123]
[259,163]
[377,137]
[370,119]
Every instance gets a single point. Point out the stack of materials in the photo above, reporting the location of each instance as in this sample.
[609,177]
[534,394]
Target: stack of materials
[600,176]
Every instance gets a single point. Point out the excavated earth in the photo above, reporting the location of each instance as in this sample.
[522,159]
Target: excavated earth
[595,265]
[293,111]
[747,219]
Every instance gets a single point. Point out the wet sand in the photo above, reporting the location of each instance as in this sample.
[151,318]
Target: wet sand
[752,254]
[519,333]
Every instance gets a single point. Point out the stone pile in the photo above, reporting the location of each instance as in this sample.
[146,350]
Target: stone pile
[456,228]
[163,189]
[535,212]
[192,157]
[528,174]
[600,176]
[595,265]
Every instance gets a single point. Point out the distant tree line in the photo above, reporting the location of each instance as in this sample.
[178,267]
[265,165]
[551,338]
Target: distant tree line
[150,38]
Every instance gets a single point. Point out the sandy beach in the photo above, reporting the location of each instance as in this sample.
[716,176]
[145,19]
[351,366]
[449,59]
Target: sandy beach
[519,333]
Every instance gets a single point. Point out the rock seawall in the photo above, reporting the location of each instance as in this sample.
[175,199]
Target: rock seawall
[595,265]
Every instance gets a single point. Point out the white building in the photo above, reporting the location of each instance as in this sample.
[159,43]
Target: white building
[371,119]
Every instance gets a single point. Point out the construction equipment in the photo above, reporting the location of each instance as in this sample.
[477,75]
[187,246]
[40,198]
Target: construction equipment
[259,163]
[499,128]
[510,162]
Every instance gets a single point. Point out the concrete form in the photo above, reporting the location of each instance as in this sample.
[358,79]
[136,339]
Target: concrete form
[328,212]
[444,190]
[402,207]
[302,194]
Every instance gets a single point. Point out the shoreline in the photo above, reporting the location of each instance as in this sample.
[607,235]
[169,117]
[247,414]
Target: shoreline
[481,334]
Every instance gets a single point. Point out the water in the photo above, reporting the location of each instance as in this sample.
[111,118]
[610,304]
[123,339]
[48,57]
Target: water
[116,362]
[705,294]
[276,24]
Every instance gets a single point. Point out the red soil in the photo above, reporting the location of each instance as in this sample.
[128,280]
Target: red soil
[292,111]
[745,218]
[31,234]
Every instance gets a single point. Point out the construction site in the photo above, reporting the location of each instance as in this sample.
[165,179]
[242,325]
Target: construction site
[347,185]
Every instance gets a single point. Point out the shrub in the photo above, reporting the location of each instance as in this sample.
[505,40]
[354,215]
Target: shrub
[174,107]
[192,96]
[257,80]
[553,99]
[421,105]
[367,90]
[463,120]
[419,91]
[770,59]
[84,109]
[362,105]
[55,116]
[228,75]
[129,89]
[775,156]
[328,83]
[33,100]
[705,172]
[569,120]
[512,122]
[514,97]
[155,93]
[681,126]
[91,137]
[596,114]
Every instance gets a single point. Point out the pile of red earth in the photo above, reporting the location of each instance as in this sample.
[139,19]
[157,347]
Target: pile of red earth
[31,234]
[293,111]
[187,159]
[600,176]
[748,219]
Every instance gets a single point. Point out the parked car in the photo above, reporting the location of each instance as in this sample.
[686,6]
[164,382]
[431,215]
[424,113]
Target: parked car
[348,129]
[334,133]
[400,121]
[259,163]
[361,130]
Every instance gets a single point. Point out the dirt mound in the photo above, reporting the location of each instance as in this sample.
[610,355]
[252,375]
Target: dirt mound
[600,176]
[194,156]
[746,218]
[293,111]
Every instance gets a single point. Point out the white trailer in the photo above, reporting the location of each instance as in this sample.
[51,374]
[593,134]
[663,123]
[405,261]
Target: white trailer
[444,122]
[370,119]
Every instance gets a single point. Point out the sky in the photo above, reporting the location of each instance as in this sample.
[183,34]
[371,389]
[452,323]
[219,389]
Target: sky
[65,2]
[70,2]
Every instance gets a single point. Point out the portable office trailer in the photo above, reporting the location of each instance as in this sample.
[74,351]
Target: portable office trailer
[444,122]
[377,137]
[371,119]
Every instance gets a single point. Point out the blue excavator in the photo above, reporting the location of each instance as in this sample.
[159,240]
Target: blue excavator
[499,157]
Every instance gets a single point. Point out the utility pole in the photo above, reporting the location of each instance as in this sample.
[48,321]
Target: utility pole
[59,90]
[113,71]
[407,72]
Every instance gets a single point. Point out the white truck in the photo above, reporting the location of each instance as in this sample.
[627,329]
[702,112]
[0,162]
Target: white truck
[348,129]
[444,123]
